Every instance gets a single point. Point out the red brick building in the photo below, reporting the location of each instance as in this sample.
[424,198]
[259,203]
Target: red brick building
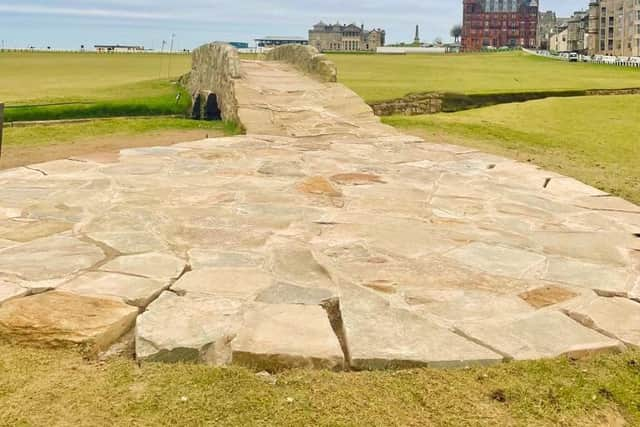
[499,23]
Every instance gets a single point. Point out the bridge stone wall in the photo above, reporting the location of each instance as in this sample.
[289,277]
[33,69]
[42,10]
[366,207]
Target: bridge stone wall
[214,69]
[307,59]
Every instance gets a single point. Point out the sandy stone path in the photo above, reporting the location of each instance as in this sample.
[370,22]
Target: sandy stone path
[322,239]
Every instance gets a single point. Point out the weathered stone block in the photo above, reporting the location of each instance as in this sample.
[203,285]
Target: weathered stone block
[59,319]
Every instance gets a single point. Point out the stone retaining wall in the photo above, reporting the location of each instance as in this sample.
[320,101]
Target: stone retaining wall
[307,59]
[432,103]
[213,71]
[410,105]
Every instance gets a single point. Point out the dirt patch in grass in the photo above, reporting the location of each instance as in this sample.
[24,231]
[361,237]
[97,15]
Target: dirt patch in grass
[101,147]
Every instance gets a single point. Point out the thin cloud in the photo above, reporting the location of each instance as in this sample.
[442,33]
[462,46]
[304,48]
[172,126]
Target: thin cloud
[67,11]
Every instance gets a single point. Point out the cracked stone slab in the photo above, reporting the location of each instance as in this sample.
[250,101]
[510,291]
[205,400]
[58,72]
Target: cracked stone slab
[49,258]
[618,318]
[188,329]
[542,335]
[243,283]
[499,260]
[599,277]
[380,336]
[157,266]
[9,291]
[60,319]
[281,336]
[133,290]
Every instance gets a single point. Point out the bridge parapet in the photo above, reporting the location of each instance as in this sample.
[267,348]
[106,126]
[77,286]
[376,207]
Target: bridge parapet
[214,69]
[307,59]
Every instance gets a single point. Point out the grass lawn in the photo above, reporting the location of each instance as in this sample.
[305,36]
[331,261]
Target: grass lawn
[383,77]
[90,85]
[45,387]
[594,139]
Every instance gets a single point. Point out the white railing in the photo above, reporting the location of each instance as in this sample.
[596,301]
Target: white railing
[621,61]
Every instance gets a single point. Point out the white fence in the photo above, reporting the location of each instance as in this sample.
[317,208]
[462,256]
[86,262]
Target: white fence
[621,61]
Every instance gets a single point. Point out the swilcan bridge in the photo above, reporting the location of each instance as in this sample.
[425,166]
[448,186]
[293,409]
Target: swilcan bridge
[320,238]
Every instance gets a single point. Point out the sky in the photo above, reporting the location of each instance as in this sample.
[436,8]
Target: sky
[67,24]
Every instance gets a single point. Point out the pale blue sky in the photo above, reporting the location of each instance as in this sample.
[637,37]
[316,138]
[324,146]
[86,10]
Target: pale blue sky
[70,23]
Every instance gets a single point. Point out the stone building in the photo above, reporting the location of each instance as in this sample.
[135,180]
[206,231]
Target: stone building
[614,28]
[337,37]
[559,40]
[547,22]
[577,32]
[499,23]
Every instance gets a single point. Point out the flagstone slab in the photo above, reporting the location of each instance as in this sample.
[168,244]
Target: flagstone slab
[280,336]
[25,230]
[133,290]
[380,336]
[285,293]
[541,335]
[618,318]
[49,258]
[242,283]
[188,329]
[211,258]
[131,242]
[604,278]
[498,260]
[60,319]
[157,266]
[9,291]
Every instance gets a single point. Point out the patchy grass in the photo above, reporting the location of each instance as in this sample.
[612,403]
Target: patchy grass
[43,387]
[593,139]
[383,77]
[40,135]
[41,143]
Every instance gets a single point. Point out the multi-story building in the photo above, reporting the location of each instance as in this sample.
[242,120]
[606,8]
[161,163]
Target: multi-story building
[577,32]
[326,37]
[499,23]
[547,22]
[614,27]
[559,40]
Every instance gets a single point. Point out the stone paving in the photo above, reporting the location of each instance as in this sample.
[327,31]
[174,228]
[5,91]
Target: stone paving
[321,239]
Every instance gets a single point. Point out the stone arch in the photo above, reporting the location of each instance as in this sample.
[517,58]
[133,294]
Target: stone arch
[206,107]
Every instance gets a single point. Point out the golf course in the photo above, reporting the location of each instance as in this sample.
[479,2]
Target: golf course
[59,105]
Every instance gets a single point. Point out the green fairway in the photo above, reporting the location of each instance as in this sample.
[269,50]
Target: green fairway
[594,139]
[383,77]
[40,387]
[90,85]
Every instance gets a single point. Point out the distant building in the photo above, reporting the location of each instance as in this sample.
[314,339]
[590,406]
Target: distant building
[326,37]
[559,40]
[275,41]
[547,22]
[577,32]
[240,45]
[499,23]
[614,28]
[117,48]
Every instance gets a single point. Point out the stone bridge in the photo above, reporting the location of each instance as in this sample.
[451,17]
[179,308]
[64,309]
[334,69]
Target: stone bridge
[321,238]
